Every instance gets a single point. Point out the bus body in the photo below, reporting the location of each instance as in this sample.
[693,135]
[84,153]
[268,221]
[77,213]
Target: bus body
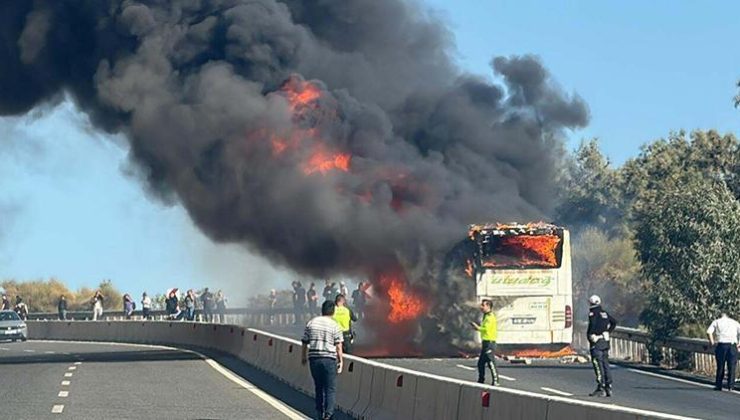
[526,271]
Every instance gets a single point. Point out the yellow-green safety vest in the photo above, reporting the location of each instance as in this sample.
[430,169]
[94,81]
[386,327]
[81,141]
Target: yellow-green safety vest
[487,328]
[342,317]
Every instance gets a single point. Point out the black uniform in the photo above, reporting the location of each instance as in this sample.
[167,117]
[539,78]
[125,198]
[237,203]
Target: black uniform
[599,321]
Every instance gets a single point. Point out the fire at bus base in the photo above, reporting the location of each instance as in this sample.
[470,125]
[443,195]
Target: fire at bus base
[525,269]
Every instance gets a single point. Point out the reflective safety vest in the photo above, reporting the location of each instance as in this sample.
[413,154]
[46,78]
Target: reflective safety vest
[487,328]
[342,317]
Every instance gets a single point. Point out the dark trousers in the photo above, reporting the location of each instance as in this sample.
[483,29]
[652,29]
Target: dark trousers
[347,343]
[145,312]
[600,361]
[726,355]
[62,314]
[324,373]
[487,359]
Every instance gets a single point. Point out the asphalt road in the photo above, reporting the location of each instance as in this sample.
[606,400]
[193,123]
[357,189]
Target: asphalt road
[632,387]
[105,381]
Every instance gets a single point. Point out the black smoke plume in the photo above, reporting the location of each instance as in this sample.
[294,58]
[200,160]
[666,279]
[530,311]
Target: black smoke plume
[202,90]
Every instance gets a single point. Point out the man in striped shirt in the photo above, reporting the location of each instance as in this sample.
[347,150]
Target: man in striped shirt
[322,350]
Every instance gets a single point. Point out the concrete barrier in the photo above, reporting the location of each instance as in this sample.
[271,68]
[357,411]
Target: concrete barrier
[366,389]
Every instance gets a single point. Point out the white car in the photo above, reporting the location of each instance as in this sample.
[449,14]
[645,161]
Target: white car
[12,327]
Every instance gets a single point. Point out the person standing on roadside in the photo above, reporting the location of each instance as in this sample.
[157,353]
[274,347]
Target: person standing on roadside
[97,305]
[272,302]
[221,307]
[727,331]
[62,308]
[21,308]
[190,305]
[146,305]
[128,306]
[344,317]
[600,326]
[488,331]
[206,299]
[6,303]
[299,302]
[313,299]
[322,350]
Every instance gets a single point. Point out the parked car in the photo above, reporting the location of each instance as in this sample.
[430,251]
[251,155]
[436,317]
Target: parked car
[12,326]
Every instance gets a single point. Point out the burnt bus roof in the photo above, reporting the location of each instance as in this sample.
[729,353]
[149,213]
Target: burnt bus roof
[509,229]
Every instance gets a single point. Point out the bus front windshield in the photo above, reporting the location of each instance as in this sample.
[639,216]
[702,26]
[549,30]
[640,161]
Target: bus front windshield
[520,251]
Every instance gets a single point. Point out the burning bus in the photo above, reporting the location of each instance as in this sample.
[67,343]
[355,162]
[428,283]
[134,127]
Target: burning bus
[525,269]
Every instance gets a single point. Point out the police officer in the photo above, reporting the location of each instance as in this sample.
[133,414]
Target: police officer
[344,317]
[487,329]
[600,325]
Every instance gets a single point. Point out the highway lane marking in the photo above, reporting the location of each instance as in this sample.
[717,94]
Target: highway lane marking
[68,375]
[508,378]
[78,363]
[48,352]
[289,412]
[555,391]
[437,359]
[30,351]
[65,383]
[63,394]
[72,368]
[57,409]
[658,375]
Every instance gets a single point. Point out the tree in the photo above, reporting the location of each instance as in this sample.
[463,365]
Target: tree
[591,193]
[607,266]
[688,242]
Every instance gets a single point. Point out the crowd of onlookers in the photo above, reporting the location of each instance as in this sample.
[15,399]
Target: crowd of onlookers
[20,307]
[306,301]
[211,307]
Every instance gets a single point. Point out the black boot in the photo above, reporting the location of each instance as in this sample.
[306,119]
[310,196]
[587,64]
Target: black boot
[598,392]
[608,390]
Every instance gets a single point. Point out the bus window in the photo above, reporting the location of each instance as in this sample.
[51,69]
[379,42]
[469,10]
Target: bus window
[520,251]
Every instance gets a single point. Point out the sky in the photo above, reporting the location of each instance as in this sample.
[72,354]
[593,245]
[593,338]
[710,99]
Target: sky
[70,209]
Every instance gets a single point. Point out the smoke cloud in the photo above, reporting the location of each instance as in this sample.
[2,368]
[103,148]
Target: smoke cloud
[227,104]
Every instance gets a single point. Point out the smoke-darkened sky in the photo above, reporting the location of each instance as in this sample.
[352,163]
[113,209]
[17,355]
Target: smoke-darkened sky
[187,86]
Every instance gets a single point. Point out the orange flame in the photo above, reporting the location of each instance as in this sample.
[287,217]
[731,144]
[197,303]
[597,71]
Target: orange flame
[324,162]
[529,250]
[405,306]
[300,92]
[469,267]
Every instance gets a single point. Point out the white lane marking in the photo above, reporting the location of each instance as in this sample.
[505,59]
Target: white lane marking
[465,367]
[555,391]
[63,394]
[4,348]
[72,368]
[57,409]
[508,378]
[68,375]
[657,375]
[78,363]
[65,383]
[30,351]
[289,412]
[437,359]
[48,352]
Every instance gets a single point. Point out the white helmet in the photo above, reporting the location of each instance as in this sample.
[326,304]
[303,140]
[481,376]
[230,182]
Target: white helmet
[594,300]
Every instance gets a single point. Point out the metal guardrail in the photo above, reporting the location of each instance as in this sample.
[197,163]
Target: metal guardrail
[638,346]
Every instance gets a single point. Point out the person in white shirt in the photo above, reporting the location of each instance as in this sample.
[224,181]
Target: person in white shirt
[727,332]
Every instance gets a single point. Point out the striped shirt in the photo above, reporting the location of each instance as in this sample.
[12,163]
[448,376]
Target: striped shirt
[322,335]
